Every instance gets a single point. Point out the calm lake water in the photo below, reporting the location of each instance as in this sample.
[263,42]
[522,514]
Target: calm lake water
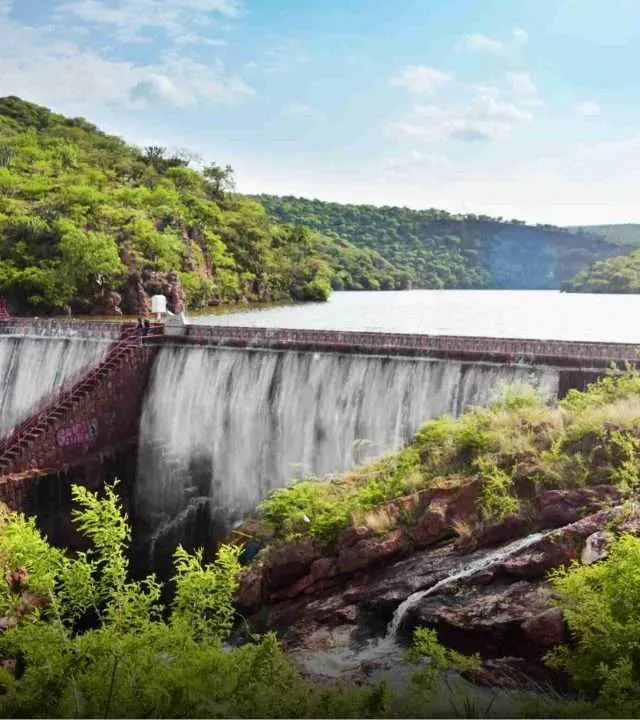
[542,314]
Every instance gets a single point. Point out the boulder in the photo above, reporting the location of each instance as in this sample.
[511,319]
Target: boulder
[511,527]
[562,507]
[286,565]
[546,629]
[324,567]
[372,550]
[486,620]
[596,547]
[250,590]
[351,536]
[432,526]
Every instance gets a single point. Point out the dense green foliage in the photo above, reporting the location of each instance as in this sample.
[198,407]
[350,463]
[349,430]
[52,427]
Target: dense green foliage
[601,603]
[83,214]
[613,275]
[80,639]
[435,249]
[517,443]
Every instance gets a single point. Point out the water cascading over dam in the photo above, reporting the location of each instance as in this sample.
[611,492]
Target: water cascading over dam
[220,428]
[32,368]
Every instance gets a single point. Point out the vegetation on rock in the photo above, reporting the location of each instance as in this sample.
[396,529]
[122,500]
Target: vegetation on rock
[91,224]
[435,249]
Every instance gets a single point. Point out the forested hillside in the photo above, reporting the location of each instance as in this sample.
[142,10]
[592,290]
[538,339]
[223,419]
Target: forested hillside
[439,250]
[91,224]
[613,275]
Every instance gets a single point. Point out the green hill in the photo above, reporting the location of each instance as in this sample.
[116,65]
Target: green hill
[613,275]
[89,223]
[439,250]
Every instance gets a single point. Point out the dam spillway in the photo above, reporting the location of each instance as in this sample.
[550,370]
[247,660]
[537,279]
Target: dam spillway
[222,427]
[216,417]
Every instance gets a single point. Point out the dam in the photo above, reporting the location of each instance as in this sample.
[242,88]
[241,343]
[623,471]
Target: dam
[201,422]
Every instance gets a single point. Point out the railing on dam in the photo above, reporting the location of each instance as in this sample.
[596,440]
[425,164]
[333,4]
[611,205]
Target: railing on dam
[494,349]
[561,353]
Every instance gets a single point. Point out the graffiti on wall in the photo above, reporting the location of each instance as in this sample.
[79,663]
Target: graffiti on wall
[81,433]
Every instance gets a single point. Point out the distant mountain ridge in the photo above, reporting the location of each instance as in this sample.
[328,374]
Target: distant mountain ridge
[439,250]
[623,233]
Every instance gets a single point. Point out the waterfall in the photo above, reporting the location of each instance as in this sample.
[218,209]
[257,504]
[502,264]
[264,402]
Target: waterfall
[477,565]
[32,368]
[222,428]
[387,651]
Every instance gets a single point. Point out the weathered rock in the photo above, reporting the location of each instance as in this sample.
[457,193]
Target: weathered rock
[352,535]
[250,590]
[286,565]
[433,526]
[511,527]
[596,547]
[545,629]
[112,305]
[175,301]
[488,621]
[558,548]
[324,567]
[515,673]
[292,591]
[562,507]
[372,550]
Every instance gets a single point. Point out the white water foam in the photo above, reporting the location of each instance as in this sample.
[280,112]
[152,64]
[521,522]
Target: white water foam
[33,368]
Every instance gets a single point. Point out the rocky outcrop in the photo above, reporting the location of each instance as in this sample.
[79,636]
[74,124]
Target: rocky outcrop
[176,297]
[502,610]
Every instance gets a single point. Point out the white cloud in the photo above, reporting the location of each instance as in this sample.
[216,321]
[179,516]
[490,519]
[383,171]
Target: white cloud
[5,6]
[523,88]
[520,36]
[476,42]
[33,61]
[130,18]
[421,80]
[588,109]
[485,117]
[296,108]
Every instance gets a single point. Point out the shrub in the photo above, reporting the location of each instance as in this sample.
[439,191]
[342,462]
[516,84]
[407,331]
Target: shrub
[601,604]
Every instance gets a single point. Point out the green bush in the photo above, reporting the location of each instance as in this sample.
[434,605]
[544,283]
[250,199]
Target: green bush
[601,605]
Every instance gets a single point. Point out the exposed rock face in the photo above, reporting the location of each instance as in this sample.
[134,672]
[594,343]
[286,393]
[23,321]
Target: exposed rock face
[561,507]
[135,300]
[113,304]
[503,610]
[175,300]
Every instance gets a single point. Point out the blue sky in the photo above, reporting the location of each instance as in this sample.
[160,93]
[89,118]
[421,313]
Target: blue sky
[527,109]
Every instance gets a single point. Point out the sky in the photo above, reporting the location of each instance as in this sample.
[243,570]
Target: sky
[525,109]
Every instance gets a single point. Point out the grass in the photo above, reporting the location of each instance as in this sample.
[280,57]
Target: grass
[519,441]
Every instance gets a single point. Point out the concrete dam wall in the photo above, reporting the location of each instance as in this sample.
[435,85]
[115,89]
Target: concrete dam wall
[212,419]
